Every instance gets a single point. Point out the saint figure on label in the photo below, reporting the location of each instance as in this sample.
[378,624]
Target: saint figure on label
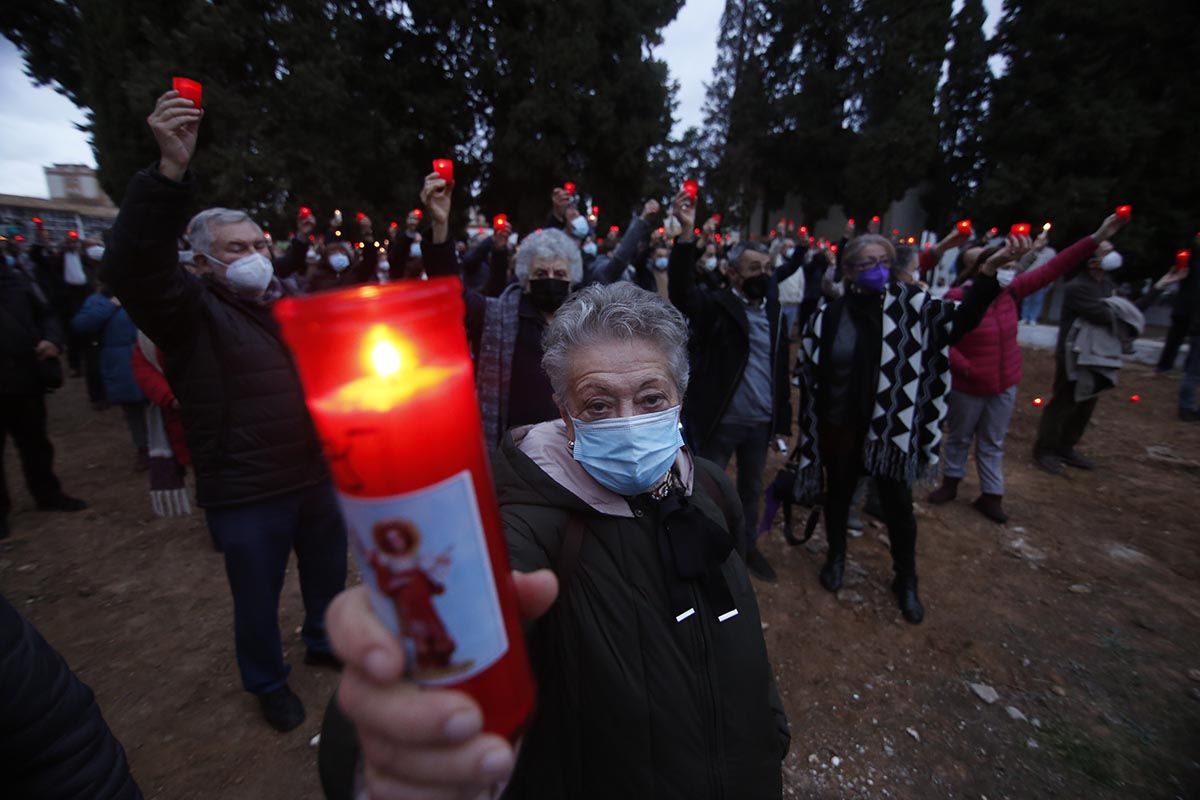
[411,584]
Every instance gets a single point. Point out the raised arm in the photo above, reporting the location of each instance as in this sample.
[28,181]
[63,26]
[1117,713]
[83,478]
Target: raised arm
[1065,262]
[694,302]
[437,251]
[970,312]
[141,262]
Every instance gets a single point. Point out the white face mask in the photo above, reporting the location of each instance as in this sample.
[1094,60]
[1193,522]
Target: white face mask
[1111,261]
[710,264]
[414,250]
[248,275]
[579,226]
[1005,277]
[95,252]
[590,248]
[339,261]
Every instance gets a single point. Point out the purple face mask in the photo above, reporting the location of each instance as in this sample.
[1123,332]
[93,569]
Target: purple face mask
[874,279]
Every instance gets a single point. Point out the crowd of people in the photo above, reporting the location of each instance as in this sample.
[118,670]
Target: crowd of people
[617,376]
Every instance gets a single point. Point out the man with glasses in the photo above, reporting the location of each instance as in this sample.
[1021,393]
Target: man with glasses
[739,393]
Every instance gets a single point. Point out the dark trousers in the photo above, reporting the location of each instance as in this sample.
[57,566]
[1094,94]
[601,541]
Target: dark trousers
[1176,335]
[23,416]
[749,443]
[257,539]
[841,450]
[1064,420]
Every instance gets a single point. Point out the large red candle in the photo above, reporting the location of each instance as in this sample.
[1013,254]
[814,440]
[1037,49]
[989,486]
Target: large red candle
[444,167]
[389,382]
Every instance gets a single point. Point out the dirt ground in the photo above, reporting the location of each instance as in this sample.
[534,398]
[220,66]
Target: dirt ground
[1081,614]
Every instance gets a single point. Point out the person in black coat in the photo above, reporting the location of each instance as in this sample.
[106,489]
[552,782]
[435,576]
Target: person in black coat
[740,394]
[54,742]
[260,474]
[29,333]
[1185,320]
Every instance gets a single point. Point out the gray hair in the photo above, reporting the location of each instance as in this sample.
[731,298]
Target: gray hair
[549,244]
[200,229]
[620,311]
[858,243]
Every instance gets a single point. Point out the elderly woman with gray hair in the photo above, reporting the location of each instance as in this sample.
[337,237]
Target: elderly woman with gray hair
[873,386]
[505,325]
[653,677]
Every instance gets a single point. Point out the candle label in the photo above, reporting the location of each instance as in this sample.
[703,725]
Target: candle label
[424,558]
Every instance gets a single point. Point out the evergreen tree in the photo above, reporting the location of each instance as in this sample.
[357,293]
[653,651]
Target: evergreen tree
[962,109]
[900,48]
[1097,107]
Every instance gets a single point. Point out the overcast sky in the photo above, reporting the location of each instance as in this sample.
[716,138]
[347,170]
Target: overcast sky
[38,124]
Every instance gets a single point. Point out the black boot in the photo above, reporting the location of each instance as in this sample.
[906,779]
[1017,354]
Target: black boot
[832,572]
[991,506]
[947,492]
[282,709]
[905,587]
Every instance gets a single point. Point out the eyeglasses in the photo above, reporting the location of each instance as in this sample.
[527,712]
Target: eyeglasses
[878,262]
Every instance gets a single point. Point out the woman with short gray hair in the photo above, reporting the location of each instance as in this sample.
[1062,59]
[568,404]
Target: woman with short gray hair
[505,331]
[652,673]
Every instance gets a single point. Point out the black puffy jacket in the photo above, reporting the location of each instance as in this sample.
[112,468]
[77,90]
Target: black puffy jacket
[25,320]
[240,397]
[632,703]
[54,743]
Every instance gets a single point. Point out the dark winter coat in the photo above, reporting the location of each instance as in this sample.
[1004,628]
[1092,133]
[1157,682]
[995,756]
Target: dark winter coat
[720,348]
[54,743]
[101,317]
[632,703]
[248,428]
[25,320]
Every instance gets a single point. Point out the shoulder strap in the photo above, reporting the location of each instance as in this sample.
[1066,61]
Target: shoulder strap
[568,550]
[713,489]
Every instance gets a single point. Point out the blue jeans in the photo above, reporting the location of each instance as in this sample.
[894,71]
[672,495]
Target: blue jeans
[258,539]
[788,314]
[1191,377]
[1031,306]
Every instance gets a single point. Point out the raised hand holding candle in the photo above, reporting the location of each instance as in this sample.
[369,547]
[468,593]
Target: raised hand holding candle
[1124,212]
[188,89]
[389,382]
[692,188]
[1020,229]
[1182,259]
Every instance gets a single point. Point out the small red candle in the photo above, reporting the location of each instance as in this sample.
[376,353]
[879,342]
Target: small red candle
[500,221]
[444,167]
[696,232]
[875,218]
[72,234]
[716,218]
[1020,229]
[833,248]
[389,382]
[1037,401]
[305,212]
[1182,259]
[692,188]
[416,212]
[774,233]
[37,221]
[1125,212]
[803,230]
[595,211]
[963,226]
[614,228]
[1135,398]
[850,222]
[188,89]
[360,216]
[569,188]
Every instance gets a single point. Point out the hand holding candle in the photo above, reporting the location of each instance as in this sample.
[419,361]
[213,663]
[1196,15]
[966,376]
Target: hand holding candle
[389,380]
[435,195]
[963,226]
[692,188]
[1125,212]
[569,188]
[175,123]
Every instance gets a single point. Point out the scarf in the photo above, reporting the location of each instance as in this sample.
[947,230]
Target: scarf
[904,433]
[168,492]
[497,343]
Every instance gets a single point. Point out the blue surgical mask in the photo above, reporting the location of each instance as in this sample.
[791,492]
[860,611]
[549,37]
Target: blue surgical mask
[414,250]
[661,263]
[339,261]
[874,279]
[710,264]
[628,454]
[579,226]
[590,248]
[791,251]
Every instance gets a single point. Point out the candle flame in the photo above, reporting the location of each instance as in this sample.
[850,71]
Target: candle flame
[385,358]
[1046,227]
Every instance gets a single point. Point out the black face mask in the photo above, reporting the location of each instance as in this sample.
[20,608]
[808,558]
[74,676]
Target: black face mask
[547,294]
[756,288]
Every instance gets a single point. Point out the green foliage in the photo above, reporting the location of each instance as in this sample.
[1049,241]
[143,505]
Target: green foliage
[346,102]
[1098,107]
